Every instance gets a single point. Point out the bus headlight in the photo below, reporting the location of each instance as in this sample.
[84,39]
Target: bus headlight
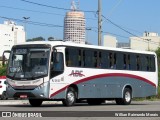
[42,85]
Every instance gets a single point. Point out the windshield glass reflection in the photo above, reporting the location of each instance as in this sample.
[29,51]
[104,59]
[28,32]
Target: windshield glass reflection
[28,63]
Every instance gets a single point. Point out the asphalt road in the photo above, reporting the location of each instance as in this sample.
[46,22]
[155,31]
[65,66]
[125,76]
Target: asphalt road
[147,110]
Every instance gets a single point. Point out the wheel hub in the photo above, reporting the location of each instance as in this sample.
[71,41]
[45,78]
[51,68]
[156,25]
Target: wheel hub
[70,97]
[127,96]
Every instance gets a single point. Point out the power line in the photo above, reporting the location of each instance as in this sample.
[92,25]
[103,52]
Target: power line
[108,33]
[116,5]
[52,25]
[43,5]
[116,34]
[49,6]
[60,26]
[28,10]
[121,27]
[32,22]
[35,11]
[145,40]
[37,23]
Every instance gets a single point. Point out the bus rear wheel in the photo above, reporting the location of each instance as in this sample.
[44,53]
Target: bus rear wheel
[70,97]
[35,102]
[127,97]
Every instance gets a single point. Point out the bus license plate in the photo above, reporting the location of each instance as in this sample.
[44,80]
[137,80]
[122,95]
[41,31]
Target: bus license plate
[23,96]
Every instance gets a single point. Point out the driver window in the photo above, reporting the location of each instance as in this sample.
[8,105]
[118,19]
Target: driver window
[57,64]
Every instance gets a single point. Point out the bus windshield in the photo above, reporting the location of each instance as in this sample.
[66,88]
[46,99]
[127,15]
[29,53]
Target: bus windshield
[28,63]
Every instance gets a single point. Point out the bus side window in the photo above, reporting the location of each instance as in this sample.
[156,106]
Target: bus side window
[119,61]
[128,62]
[138,62]
[152,63]
[115,61]
[79,58]
[144,61]
[95,59]
[89,56]
[72,57]
[105,60]
[67,57]
[133,62]
[99,61]
[147,63]
[112,59]
[124,61]
[83,64]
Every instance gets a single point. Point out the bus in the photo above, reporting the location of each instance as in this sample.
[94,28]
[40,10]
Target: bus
[69,72]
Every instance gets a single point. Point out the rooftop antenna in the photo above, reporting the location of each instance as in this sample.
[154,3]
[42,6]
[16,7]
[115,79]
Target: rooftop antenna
[78,4]
[73,6]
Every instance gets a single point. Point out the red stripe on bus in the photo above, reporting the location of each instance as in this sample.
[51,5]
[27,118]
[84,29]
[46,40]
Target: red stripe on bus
[106,75]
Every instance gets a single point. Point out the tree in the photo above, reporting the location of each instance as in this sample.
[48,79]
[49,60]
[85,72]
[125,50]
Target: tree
[3,70]
[36,39]
[158,60]
[158,56]
[51,39]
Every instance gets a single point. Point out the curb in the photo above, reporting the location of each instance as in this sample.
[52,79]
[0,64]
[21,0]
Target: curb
[24,102]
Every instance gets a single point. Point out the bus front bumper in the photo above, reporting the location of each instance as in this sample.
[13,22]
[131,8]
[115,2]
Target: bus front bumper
[36,93]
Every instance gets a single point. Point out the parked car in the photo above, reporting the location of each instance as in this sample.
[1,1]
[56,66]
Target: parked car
[3,95]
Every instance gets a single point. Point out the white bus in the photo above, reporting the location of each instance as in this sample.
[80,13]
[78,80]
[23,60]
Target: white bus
[68,72]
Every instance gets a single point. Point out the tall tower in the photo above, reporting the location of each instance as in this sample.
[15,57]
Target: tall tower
[74,25]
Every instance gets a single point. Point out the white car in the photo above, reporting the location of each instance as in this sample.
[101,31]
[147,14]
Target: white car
[3,95]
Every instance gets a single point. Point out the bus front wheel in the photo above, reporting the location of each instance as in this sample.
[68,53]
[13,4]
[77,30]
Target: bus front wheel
[70,97]
[35,102]
[127,97]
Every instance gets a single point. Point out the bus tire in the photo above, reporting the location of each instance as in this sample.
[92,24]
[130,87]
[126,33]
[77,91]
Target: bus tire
[35,102]
[94,101]
[70,97]
[127,97]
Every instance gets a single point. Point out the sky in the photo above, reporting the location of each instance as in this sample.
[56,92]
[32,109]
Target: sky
[133,17]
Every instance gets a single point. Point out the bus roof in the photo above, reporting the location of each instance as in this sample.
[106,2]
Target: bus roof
[62,43]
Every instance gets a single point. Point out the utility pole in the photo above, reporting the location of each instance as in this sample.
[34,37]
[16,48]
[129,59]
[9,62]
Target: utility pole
[25,28]
[148,44]
[99,23]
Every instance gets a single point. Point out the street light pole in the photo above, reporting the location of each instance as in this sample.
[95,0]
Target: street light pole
[25,28]
[87,29]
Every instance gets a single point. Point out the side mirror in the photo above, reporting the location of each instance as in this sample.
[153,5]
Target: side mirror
[3,56]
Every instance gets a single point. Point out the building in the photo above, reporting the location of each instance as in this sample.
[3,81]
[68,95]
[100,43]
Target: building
[74,25]
[10,34]
[109,41]
[123,45]
[149,41]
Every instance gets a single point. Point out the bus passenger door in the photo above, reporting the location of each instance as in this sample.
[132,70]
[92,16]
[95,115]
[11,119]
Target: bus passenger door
[56,69]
